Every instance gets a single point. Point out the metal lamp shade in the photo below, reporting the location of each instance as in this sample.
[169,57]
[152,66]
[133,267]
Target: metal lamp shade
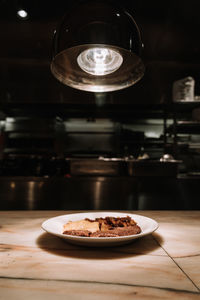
[97,48]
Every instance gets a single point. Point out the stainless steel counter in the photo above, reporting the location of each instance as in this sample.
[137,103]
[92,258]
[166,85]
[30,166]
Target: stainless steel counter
[80,192]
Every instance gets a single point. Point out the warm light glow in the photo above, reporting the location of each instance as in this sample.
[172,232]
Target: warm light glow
[12,185]
[99,61]
[22,13]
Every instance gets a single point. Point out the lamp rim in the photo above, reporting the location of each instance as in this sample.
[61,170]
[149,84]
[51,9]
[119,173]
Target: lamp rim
[65,68]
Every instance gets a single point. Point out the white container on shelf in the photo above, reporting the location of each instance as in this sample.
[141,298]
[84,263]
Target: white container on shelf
[183,89]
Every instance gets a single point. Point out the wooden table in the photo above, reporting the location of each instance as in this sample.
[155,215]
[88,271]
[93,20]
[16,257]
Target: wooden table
[37,265]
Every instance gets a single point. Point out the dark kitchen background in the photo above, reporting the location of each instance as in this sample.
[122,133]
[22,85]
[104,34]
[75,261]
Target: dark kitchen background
[61,148]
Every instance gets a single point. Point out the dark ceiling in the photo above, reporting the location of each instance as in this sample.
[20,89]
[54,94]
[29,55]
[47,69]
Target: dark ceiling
[169,29]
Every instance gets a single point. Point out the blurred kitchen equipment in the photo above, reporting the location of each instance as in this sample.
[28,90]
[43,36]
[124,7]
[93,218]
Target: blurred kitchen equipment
[167,157]
[143,156]
[166,166]
[97,48]
[183,89]
[97,166]
[196,114]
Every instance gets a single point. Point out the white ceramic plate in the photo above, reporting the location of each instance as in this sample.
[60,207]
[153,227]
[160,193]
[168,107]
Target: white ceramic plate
[55,226]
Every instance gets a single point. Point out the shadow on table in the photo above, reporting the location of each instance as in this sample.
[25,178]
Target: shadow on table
[145,245]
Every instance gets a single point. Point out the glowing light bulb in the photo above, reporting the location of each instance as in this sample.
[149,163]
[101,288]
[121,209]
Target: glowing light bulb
[22,13]
[99,61]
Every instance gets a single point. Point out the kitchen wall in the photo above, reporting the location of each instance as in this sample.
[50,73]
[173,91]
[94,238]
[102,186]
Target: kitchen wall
[43,122]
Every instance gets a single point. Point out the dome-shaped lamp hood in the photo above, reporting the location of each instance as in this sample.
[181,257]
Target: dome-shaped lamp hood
[97,48]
